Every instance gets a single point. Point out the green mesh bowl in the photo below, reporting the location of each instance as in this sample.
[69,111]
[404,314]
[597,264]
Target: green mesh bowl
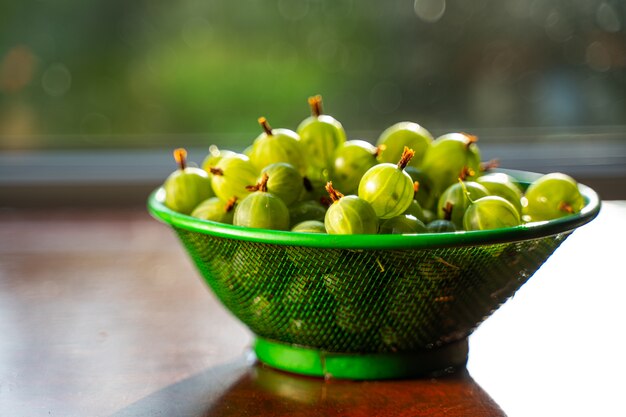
[366,306]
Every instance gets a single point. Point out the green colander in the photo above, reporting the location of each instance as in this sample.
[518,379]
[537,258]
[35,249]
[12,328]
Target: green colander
[366,306]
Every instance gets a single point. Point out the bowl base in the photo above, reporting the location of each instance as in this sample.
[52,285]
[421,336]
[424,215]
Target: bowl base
[356,366]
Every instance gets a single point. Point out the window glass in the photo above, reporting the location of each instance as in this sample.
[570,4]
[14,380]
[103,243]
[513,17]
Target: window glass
[117,73]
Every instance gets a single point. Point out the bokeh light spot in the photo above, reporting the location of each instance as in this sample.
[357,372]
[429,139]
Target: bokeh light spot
[597,57]
[607,18]
[57,80]
[430,10]
[95,124]
[196,32]
[293,10]
[16,69]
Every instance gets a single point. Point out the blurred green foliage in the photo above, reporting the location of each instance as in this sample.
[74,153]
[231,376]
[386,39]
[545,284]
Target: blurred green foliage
[141,73]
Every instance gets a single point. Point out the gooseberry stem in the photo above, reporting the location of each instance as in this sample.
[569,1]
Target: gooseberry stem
[470,139]
[416,188]
[491,164]
[447,211]
[566,207]
[466,172]
[407,154]
[230,204]
[180,156]
[261,185]
[315,103]
[334,194]
[265,125]
[379,149]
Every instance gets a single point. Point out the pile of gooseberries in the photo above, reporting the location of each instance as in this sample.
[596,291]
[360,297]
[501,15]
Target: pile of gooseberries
[315,180]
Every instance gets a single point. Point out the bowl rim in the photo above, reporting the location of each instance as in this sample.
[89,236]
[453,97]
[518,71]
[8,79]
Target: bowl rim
[527,231]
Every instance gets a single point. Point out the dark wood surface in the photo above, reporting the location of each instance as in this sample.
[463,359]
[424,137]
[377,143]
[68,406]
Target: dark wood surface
[102,314]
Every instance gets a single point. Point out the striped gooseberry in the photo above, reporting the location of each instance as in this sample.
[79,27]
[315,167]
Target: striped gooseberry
[320,134]
[388,188]
[349,215]
[186,187]
[552,196]
[262,210]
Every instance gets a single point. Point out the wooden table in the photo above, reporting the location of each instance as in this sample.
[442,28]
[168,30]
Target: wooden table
[102,313]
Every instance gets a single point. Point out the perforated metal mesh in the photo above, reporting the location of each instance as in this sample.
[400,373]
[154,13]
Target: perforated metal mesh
[365,301]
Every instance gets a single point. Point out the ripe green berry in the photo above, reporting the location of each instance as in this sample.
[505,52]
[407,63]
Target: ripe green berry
[309,226]
[502,185]
[277,145]
[402,225]
[454,201]
[351,160]
[262,210]
[448,156]
[231,175]
[440,226]
[396,137]
[491,212]
[349,215]
[552,196]
[214,156]
[306,210]
[285,182]
[424,194]
[320,134]
[186,187]
[215,210]
[388,188]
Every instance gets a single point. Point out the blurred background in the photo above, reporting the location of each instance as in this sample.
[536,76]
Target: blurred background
[95,95]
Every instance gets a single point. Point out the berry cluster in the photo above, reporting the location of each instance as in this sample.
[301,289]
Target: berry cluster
[314,180]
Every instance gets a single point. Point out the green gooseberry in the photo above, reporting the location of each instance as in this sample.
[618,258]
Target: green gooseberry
[396,137]
[440,226]
[454,201]
[285,182]
[309,226]
[416,210]
[402,225]
[320,134]
[552,196]
[262,210]
[448,157]
[429,216]
[388,188]
[277,145]
[491,212]
[424,194]
[214,156]
[306,210]
[349,215]
[186,187]
[502,185]
[215,210]
[352,159]
[231,175]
